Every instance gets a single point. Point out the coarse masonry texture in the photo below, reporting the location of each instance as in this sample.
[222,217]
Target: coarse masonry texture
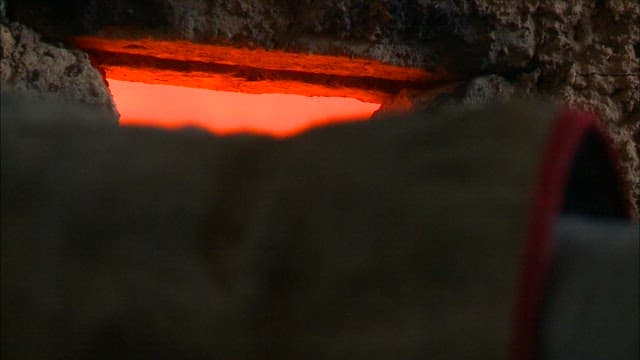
[582,52]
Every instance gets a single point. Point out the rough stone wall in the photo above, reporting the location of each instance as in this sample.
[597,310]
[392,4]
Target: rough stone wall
[586,55]
[583,52]
[30,65]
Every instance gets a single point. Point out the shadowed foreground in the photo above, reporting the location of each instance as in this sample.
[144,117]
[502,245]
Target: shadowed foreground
[397,238]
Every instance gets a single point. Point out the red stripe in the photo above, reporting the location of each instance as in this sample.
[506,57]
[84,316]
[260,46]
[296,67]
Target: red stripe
[569,131]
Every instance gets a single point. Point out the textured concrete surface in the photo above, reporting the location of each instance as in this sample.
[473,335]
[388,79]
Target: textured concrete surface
[30,65]
[581,52]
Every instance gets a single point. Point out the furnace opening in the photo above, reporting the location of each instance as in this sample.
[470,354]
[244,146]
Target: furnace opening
[171,83]
[226,112]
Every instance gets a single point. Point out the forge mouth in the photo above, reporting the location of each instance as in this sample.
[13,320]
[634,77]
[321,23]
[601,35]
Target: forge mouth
[226,112]
[226,90]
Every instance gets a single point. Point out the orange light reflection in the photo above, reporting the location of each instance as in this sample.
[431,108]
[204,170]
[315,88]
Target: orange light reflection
[224,112]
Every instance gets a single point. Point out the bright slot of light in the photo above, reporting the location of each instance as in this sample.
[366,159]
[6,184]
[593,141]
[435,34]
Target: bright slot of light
[224,112]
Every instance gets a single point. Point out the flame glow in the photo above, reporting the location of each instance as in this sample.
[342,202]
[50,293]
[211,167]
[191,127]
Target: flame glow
[224,112]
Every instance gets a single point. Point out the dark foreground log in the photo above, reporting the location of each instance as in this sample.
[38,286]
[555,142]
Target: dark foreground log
[397,238]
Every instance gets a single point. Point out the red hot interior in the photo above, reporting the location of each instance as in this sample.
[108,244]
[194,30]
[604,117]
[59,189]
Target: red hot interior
[225,112]
[228,90]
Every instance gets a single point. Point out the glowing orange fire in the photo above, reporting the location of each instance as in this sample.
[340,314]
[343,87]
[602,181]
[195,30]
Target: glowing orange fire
[173,83]
[224,112]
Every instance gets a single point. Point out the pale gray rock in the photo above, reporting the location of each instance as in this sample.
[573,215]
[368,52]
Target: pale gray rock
[30,65]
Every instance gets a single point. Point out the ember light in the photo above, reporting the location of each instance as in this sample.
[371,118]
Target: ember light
[225,112]
[226,90]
